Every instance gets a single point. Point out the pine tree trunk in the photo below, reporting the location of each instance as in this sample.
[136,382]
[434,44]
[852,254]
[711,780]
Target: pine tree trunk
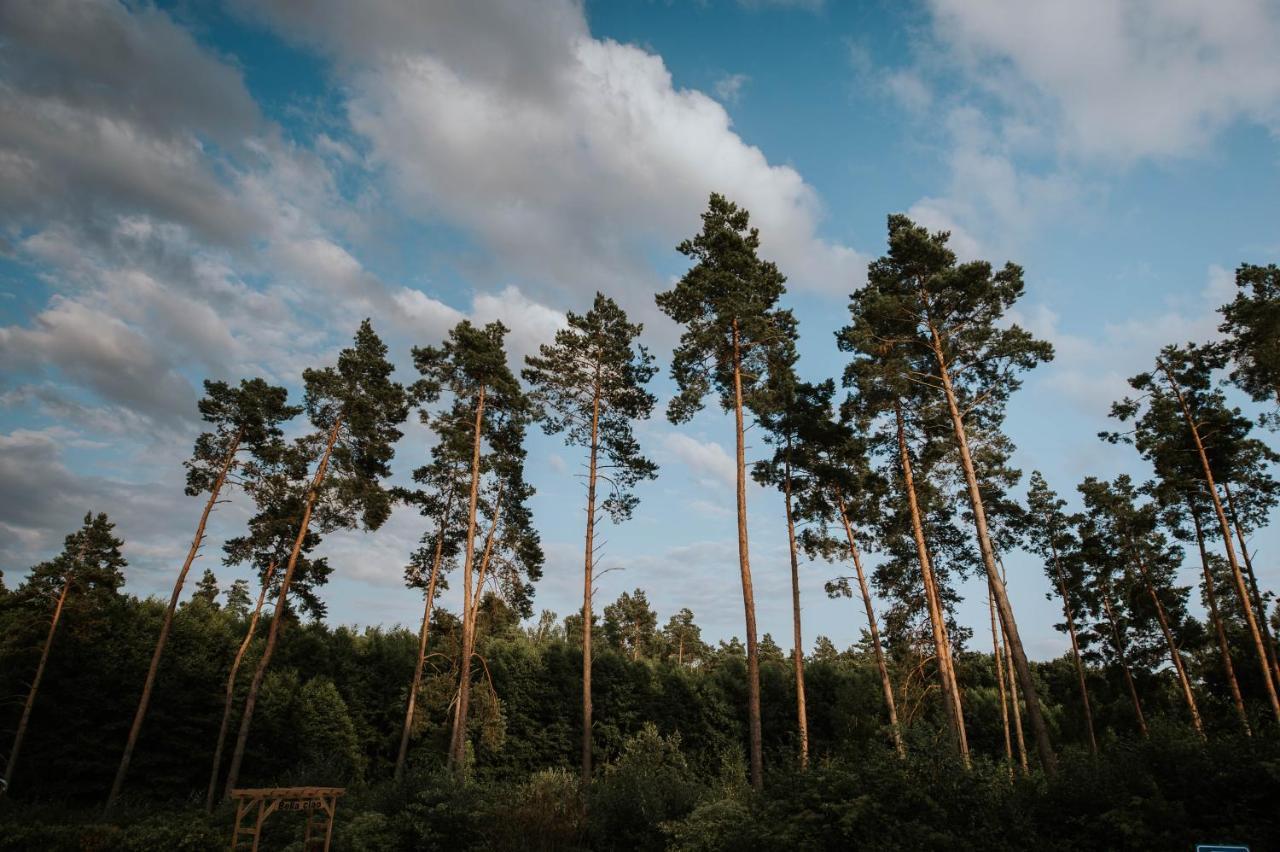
[273,633]
[802,716]
[149,684]
[21,733]
[1124,664]
[744,563]
[998,656]
[482,570]
[229,698]
[1245,603]
[1174,654]
[436,559]
[1019,736]
[942,646]
[588,567]
[1075,647]
[1261,608]
[1041,731]
[1211,595]
[458,742]
[886,684]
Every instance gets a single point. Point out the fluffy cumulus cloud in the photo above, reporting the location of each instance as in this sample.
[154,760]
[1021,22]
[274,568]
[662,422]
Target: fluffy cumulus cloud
[1129,79]
[569,156]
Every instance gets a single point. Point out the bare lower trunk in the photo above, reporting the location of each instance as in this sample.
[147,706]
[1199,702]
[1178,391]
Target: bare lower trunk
[1075,647]
[1124,663]
[1015,704]
[1245,603]
[12,765]
[997,654]
[1211,596]
[149,684]
[458,743]
[1174,654]
[588,568]
[1269,640]
[436,559]
[229,697]
[1038,727]
[802,717]
[273,633]
[755,737]
[886,684]
[942,647]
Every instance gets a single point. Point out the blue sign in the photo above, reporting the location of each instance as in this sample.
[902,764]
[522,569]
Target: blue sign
[1214,847]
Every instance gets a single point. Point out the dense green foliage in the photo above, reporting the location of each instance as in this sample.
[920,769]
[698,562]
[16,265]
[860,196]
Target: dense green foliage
[670,740]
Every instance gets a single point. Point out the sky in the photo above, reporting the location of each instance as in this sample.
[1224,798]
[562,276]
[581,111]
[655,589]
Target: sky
[207,190]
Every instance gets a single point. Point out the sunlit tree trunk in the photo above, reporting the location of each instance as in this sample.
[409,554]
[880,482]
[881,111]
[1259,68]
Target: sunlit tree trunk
[942,646]
[458,743]
[228,699]
[1211,596]
[802,717]
[149,684]
[1118,638]
[744,561]
[588,569]
[25,719]
[273,633]
[1270,640]
[997,655]
[1245,603]
[1019,737]
[1174,654]
[1075,647]
[886,684]
[436,559]
[1041,731]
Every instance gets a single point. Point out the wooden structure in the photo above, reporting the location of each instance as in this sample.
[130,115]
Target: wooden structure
[267,800]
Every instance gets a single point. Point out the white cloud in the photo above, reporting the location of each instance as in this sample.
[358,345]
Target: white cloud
[1092,370]
[707,461]
[571,171]
[729,87]
[1124,80]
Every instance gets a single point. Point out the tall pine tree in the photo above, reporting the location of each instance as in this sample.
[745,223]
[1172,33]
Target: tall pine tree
[727,303]
[589,384]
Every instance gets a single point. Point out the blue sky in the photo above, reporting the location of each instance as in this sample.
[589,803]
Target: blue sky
[198,190]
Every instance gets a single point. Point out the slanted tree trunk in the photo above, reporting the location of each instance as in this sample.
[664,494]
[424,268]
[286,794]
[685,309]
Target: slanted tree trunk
[1075,646]
[1038,727]
[436,559]
[1245,603]
[886,684]
[273,633]
[229,697]
[744,562]
[1269,640]
[937,622]
[997,654]
[1019,737]
[1211,595]
[588,568]
[458,744]
[1013,687]
[1174,654]
[25,719]
[149,684]
[802,717]
[1118,638]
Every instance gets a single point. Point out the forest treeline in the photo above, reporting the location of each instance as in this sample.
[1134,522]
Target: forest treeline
[897,473]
